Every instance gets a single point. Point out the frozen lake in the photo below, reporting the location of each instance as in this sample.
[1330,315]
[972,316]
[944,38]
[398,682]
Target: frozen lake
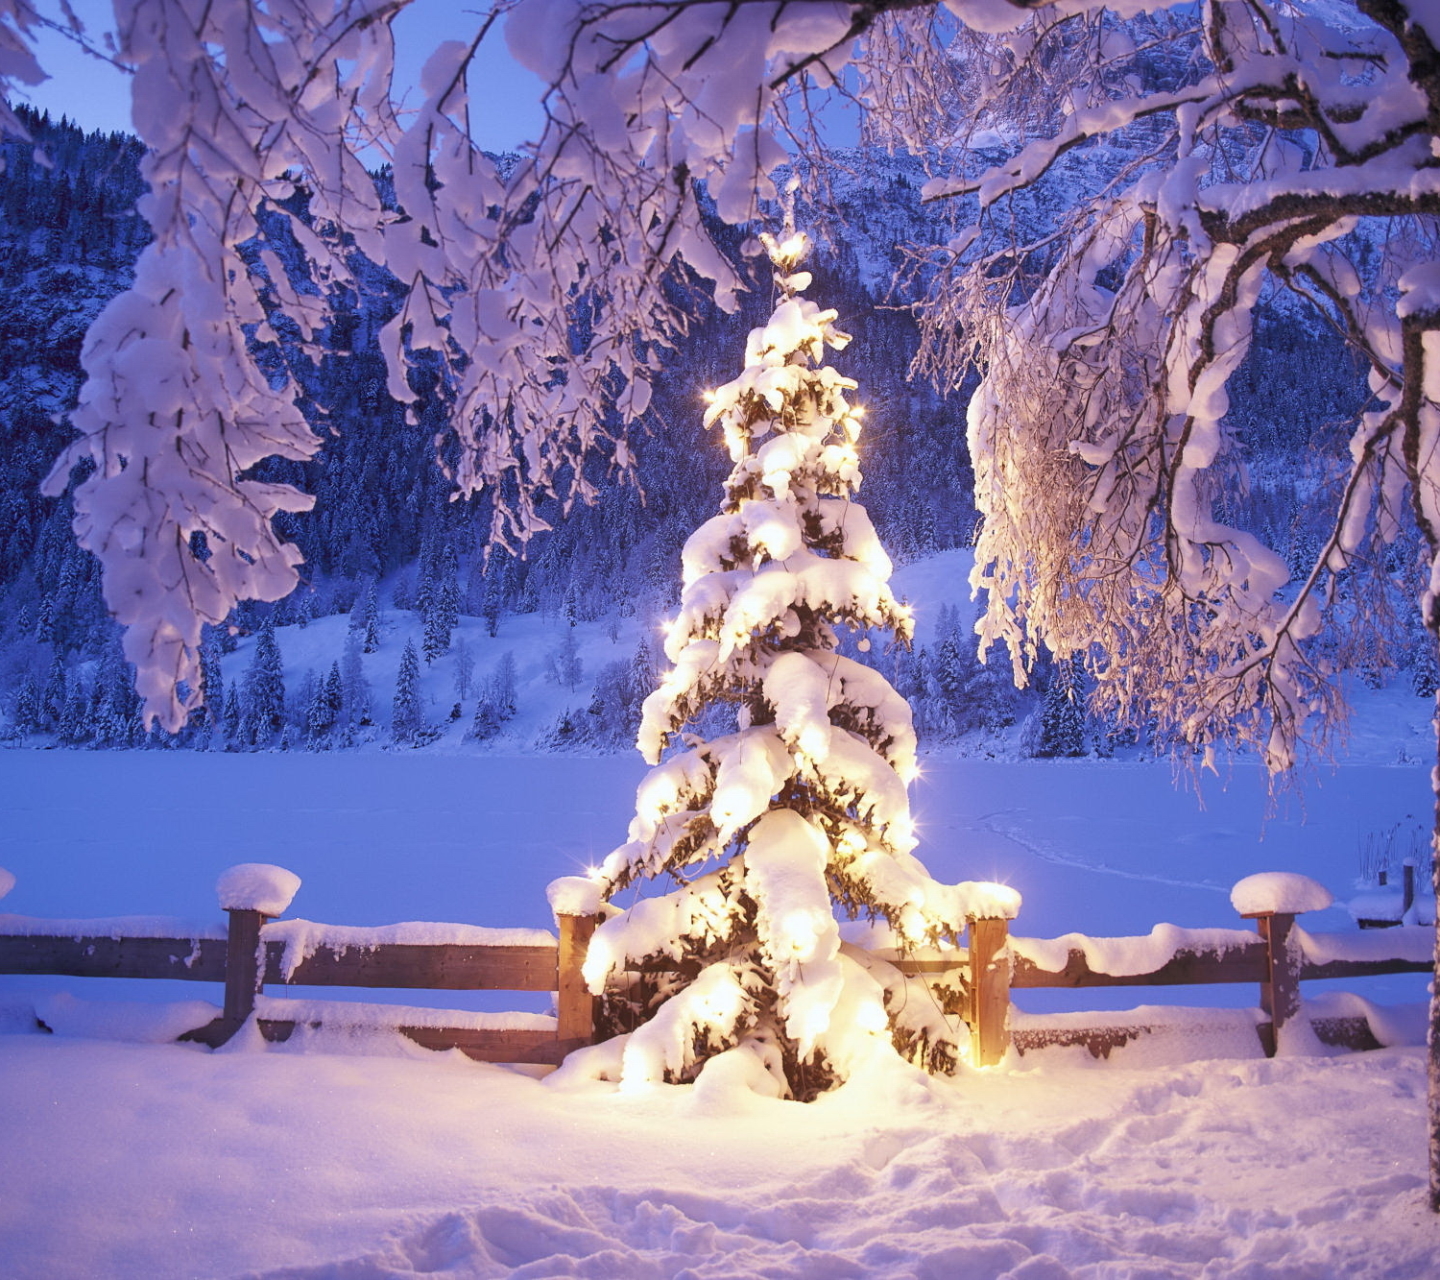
[1106,848]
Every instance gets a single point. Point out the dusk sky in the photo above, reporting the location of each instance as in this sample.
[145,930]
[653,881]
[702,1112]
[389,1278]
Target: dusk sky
[96,96]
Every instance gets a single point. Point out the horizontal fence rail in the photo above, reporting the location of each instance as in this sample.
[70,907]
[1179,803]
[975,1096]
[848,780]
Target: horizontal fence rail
[103,956]
[1277,958]
[253,952]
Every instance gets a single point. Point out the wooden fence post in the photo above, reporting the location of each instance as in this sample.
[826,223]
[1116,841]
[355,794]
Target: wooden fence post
[989,991]
[575,1004]
[243,976]
[1280,991]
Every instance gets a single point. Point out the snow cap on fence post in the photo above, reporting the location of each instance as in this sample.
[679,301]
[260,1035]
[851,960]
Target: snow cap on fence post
[257,886]
[575,895]
[1279,893]
[7,881]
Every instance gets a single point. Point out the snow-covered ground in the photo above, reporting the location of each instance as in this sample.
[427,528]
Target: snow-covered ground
[158,1162]
[344,1158]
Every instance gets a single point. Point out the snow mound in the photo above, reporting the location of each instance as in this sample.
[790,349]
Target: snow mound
[1271,892]
[139,1022]
[115,927]
[257,886]
[7,881]
[389,1017]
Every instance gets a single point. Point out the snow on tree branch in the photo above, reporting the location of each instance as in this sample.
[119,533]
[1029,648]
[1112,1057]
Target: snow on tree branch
[1207,173]
[804,804]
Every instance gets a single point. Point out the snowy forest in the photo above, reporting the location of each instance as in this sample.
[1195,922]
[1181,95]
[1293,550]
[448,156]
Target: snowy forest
[388,549]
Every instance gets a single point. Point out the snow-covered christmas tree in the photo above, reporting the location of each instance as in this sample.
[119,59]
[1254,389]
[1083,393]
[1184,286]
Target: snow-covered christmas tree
[801,807]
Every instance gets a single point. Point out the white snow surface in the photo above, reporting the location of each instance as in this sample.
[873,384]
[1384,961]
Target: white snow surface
[295,1162]
[352,1155]
[110,927]
[1405,942]
[381,1017]
[257,886]
[1128,956]
[127,1020]
[1279,891]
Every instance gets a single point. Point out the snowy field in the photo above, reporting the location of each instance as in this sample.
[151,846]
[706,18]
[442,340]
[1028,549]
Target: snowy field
[336,1158]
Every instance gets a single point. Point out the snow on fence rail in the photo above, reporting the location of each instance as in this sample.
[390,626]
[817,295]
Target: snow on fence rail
[1278,957]
[256,950]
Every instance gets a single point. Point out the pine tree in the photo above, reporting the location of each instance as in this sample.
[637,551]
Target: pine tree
[803,806]
[442,607]
[1425,675]
[566,666]
[233,721]
[355,688]
[493,601]
[264,698]
[365,617]
[1062,718]
[211,677]
[487,720]
[26,713]
[52,700]
[323,710]
[407,722]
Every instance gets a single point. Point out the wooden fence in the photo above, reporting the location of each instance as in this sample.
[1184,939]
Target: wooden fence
[245,961]
[1277,958]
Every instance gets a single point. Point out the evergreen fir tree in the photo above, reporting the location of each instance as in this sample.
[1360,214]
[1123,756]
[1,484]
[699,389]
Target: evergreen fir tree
[52,700]
[566,666]
[442,608]
[407,722]
[369,609]
[493,601]
[73,727]
[570,605]
[355,688]
[233,719]
[211,677]
[765,830]
[1425,673]
[323,710]
[487,720]
[264,695]
[26,714]
[1062,718]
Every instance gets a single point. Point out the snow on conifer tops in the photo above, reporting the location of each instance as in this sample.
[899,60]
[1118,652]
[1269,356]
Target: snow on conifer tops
[803,807]
[257,886]
[790,550]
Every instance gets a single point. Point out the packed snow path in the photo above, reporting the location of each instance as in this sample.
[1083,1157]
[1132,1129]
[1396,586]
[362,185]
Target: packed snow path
[161,1161]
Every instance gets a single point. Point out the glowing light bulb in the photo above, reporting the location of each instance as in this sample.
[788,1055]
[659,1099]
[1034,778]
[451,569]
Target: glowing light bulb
[871,1017]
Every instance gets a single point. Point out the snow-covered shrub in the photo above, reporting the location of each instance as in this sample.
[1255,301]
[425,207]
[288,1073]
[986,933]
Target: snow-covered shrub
[764,829]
